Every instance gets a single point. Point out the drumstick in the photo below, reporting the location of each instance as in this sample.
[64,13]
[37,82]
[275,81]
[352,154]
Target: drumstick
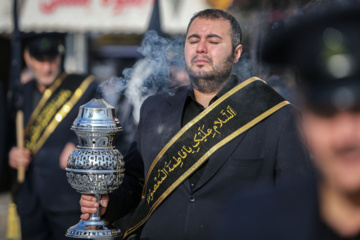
[20,143]
[13,223]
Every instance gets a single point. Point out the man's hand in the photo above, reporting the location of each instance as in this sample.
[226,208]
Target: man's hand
[69,147]
[18,157]
[89,205]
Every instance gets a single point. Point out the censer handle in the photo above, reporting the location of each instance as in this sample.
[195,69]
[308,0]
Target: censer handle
[20,143]
[96,216]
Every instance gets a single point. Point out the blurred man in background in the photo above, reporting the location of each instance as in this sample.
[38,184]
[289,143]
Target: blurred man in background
[324,48]
[47,205]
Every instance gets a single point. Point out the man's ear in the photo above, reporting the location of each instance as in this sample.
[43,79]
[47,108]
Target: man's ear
[27,57]
[237,53]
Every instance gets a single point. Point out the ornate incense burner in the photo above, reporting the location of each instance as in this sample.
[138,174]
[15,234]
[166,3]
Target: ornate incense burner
[95,166]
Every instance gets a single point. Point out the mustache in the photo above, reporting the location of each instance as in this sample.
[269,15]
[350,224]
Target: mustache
[201,56]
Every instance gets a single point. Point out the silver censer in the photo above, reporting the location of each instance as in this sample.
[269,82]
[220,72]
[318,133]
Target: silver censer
[95,166]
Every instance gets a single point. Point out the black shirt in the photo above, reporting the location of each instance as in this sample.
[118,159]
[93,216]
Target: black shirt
[37,95]
[192,109]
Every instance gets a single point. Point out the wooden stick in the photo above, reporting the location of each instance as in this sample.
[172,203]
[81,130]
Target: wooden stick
[20,143]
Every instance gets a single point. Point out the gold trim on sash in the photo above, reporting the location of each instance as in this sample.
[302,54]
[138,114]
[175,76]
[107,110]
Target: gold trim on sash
[47,94]
[61,114]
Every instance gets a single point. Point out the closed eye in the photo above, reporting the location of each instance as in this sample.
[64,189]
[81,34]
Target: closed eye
[193,41]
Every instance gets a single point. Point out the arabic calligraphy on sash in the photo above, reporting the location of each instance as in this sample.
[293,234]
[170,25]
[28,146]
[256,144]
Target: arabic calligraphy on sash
[202,135]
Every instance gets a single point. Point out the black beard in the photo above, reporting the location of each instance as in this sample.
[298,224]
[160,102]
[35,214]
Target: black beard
[211,81]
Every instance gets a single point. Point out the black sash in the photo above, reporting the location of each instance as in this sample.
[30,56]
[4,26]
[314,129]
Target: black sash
[55,104]
[238,110]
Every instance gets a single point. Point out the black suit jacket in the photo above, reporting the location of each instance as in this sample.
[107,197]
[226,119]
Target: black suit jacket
[45,182]
[289,212]
[269,153]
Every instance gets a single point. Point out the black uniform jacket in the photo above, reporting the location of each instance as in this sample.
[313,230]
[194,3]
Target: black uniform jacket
[288,212]
[269,153]
[45,182]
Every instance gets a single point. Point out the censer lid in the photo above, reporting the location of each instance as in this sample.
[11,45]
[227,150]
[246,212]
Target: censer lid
[97,103]
[97,113]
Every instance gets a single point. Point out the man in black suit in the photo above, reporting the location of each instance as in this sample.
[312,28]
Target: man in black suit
[46,203]
[324,47]
[201,142]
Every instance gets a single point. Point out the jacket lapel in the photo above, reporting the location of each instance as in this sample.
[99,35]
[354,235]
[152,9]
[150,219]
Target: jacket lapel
[172,115]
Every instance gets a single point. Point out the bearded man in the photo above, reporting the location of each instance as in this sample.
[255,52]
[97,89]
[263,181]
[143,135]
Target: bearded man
[203,142]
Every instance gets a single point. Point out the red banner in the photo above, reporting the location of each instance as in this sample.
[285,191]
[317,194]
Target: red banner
[49,6]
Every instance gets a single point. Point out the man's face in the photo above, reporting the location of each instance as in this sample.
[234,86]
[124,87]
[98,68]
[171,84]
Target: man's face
[45,69]
[209,53]
[334,142]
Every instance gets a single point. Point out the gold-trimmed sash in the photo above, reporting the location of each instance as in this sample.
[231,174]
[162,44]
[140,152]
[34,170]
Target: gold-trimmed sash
[47,94]
[53,107]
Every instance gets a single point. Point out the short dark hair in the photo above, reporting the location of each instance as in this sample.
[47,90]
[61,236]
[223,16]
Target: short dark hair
[236,33]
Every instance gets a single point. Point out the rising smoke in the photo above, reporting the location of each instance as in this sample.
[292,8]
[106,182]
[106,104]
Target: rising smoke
[149,75]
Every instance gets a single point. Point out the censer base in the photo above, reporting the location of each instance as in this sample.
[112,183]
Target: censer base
[93,230]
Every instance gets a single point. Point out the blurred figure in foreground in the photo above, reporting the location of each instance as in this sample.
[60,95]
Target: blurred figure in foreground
[47,205]
[324,46]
